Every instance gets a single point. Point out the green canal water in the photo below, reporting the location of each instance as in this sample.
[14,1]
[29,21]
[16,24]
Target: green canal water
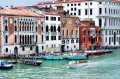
[105,66]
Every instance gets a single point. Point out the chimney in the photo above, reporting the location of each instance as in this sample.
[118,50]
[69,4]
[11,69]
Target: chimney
[11,6]
[6,7]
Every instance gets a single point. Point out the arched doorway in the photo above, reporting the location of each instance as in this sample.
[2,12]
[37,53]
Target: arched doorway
[114,38]
[37,49]
[15,50]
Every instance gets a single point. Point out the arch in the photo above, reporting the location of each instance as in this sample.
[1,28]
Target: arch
[16,50]
[37,49]
[114,38]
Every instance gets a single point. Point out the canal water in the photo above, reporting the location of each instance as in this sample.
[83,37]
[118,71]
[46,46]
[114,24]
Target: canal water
[105,66]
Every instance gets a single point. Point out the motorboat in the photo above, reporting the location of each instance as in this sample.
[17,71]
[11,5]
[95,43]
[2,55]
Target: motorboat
[77,64]
[93,52]
[4,65]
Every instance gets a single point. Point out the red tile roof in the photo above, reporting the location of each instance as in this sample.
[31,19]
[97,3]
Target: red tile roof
[18,12]
[62,1]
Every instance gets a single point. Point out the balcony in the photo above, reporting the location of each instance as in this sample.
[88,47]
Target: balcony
[54,33]
[47,33]
[72,36]
[59,33]
[77,36]
[67,37]
[33,44]
[63,37]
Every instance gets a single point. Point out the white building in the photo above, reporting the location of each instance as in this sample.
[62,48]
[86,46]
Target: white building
[106,14]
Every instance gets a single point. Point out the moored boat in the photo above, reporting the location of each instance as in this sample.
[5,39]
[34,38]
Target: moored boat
[4,65]
[93,52]
[108,51]
[77,64]
[52,57]
[79,56]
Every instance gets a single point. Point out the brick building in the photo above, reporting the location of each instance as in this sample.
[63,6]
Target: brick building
[20,31]
[87,32]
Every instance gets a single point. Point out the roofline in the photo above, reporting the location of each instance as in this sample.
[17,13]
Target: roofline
[20,15]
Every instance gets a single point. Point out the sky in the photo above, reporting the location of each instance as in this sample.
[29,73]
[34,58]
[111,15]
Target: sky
[20,2]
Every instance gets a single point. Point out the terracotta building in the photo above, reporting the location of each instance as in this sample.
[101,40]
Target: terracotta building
[88,34]
[20,31]
[69,30]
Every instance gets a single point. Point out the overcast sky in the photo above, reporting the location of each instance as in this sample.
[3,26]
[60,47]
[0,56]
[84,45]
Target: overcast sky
[20,2]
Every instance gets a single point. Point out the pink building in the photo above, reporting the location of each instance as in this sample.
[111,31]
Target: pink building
[20,31]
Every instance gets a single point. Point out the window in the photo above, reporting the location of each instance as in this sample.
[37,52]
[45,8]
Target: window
[71,4]
[47,18]
[59,29]
[100,10]
[6,50]
[85,3]
[6,39]
[36,38]
[105,10]
[74,9]
[106,39]
[23,48]
[59,37]
[15,28]
[88,39]
[74,4]
[100,22]
[6,28]
[91,3]
[79,4]
[100,2]
[84,32]
[52,37]
[90,11]
[88,32]
[31,48]
[71,9]
[70,13]
[79,12]
[84,39]
[54,28]
[47,38]
[67,4]
[70,21]
[42,38]
[59,19]
[36,28]
[47,28]
[95,38]
[74,14]
[85,11]
[15,38]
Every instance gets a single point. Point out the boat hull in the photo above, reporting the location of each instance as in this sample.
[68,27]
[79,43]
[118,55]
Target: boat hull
[52,58]
[31,62]
[77,65]
[6,67]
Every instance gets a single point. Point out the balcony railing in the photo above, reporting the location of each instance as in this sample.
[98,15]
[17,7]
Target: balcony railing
[32,44]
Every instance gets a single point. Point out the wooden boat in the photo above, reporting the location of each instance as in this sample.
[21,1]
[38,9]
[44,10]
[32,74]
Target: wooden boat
[31,62]
[77,64]
[79,56]
[108,51]
[4,65]
[52,57]
[111,47]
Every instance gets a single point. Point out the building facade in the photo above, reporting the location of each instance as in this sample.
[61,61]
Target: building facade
[88,34]
[105,13]
[20,32]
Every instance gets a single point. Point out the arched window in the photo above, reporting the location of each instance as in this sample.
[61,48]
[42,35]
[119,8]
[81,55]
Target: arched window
[36,38]
[59,29]
[84,32]
[47,29]
[51,28]
[100,22]
[23,26]
[6,39]
[6,49]
[54,28]
[20,39]
[15,38]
